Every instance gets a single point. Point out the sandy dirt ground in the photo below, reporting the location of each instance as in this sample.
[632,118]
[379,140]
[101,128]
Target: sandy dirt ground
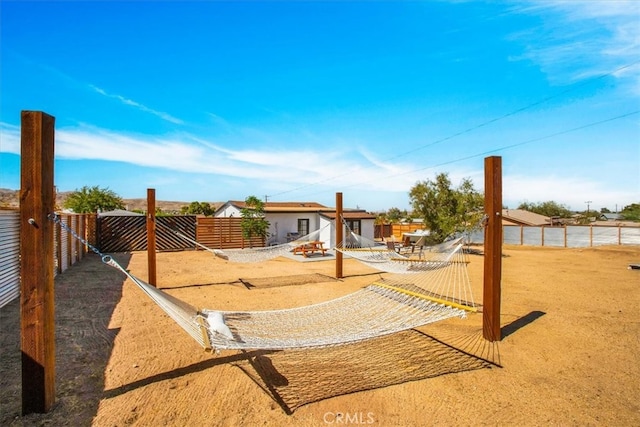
[569,355]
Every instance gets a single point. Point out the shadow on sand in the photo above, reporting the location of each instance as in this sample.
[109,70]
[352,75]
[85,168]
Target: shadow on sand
[295,378]
[85,298]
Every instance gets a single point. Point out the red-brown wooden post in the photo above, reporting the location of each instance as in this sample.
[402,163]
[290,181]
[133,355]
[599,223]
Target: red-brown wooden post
[339,235]
[151,235]
[619,235]
[59,247]
[492,248]
[37,342]
[69,243]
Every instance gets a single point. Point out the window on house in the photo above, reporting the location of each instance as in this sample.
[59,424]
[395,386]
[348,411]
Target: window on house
[354,225]
[303,227]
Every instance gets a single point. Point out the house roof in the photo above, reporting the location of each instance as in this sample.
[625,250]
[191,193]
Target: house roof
[297,207]
[281,206]
[522,217]
[349,214]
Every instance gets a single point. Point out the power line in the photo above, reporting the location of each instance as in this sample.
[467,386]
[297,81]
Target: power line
[476,127]
[495,150]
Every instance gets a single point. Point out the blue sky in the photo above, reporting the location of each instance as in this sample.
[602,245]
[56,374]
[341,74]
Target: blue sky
[212,101]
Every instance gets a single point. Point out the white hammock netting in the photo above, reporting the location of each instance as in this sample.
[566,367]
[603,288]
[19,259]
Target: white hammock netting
[382,258]
[384,307]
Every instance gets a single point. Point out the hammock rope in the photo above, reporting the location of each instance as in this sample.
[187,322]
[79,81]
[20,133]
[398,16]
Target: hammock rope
[384,307]
[251,255]
[380,257]
[387,306]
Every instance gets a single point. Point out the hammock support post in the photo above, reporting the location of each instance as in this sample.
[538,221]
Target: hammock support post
[151,235]
[339,235]
[37,326]
[492,248]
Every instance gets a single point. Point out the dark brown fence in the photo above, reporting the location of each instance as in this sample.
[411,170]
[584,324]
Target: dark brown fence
[129,233]
[382,231]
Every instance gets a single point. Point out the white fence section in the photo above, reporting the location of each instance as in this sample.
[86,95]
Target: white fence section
[570,236]
[9,256]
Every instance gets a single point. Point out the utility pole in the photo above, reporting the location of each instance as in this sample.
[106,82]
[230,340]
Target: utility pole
[588,202]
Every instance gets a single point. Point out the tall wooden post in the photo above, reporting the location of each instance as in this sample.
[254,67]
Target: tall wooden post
[151,235]
[37,342]
[339,235]
[492,248]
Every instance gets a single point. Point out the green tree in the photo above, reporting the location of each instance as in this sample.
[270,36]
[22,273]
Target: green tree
[253,222]
[445,210]
[198,208]
[631,212]
[395,215]
[549,208]
[93,200]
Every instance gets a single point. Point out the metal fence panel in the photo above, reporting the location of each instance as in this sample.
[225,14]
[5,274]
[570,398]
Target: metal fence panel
[9,256]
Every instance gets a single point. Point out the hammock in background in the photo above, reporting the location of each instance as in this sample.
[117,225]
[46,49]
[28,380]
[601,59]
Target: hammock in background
[250,255]
[382,258]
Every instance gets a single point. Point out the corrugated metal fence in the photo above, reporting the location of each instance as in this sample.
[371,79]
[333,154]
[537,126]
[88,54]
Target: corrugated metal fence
[67,251]
[9,256]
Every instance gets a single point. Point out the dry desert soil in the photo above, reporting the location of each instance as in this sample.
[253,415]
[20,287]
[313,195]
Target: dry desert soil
[569,353]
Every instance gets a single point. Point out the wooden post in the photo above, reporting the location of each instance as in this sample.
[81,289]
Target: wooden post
[37,342]
[151,235]
[339,235]
[69,243]
[59,247]
[619,235]
[492,248]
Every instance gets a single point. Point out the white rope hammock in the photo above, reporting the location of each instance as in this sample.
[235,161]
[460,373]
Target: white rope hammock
[384,307]
[260,254]
[381,258]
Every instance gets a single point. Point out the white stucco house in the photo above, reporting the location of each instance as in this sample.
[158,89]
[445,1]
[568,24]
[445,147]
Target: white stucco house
[290,220]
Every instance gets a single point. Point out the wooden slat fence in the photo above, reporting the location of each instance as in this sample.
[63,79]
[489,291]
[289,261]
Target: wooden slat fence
[398,229]
[129,233]
[224,233]
[68,249]
[382,231]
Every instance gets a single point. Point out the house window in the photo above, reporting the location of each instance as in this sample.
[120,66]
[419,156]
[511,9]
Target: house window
[354,225]
[303,227]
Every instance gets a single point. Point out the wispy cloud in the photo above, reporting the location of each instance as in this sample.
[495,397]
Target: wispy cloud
[583,38]
[141,107]
[184,153]
[9,138]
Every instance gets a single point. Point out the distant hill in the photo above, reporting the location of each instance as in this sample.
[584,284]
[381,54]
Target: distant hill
[10,199]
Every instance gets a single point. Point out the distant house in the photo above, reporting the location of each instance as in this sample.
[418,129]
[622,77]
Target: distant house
[290,220]
[522,217]
[610,216]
